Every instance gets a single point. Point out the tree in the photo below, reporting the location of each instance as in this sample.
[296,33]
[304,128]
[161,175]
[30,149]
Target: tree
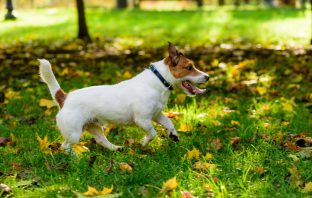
[311,21]
[121,4]
[9,15]
[200,3]
[82,25]
[221,2]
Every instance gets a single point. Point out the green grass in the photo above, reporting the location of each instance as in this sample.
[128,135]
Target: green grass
[134,27]
[30,173]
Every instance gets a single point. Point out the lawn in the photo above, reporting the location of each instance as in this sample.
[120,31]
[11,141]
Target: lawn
[264,26]
[249,135]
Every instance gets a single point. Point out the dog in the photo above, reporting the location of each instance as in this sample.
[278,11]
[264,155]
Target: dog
[139,100]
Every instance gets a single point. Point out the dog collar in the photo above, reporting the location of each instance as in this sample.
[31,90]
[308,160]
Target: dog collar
[160,77]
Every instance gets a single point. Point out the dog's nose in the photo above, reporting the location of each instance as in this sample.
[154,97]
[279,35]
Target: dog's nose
[207,78]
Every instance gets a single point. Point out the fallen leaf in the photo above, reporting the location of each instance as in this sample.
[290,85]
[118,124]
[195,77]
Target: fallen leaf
[216,144]
[204,166]
[305,154]
[172,114]
[185,128]
[4,141]
[186,194]
[308,187]
[46,103]
[295,158]
[80,148]
[93,192]
[291,146]
[216,123]
[44,144]
[235,140]
[125,167]
[233,122]
[295,177]
[170,184]
[208,156]
[259,170]
[193,154]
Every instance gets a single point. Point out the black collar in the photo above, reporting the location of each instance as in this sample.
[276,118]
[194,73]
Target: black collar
[160,77]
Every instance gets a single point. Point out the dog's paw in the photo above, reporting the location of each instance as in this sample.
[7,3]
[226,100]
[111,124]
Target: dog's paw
[174,137]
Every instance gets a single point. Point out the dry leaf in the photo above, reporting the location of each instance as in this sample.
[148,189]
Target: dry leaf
[4,188]
[93,192]
[80,148]
[259,170]
[186,194]
[46,103]
[193,154]
[308,187]
[125,167]
[208,156]
[295,177]
[295,158]
[216,144]
[172,114]
[235,140]
[185,128]
[170,184]
[216,123]
[204,166]
[233,122]
[44,144]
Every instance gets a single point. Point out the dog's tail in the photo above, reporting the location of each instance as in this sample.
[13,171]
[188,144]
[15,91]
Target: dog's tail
[46,74]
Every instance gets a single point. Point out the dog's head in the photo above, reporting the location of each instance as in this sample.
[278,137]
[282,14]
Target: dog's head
[185,72]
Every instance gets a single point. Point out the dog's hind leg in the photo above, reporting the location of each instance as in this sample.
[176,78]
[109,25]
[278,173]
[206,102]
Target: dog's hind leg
[166,122]
[98,134]
[147,125]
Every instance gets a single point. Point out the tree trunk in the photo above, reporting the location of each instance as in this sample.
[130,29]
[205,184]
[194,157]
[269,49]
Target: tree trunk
[311,21]
[9,15]
[200,3]
[82,25]
[136,4]
[221,2]
[121,4]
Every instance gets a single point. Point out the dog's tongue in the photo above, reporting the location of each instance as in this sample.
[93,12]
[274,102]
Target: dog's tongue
[191,88]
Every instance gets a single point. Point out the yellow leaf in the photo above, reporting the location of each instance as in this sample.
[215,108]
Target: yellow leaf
[208,156]
[287,106]
[126,167]
[204,166]
[308,187]
[127,75]
[44,144]
[284,123]
[80,148]
[185,128]
[91,192]
[193,154]
[172,114]
[106,191]
[216,123]
[11,95]
[170,184]
[46,103]
[233,122]
[262,90]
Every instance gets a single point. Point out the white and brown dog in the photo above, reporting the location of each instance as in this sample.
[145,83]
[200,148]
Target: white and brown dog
[139,100]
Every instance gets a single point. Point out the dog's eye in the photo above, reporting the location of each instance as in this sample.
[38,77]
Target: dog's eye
[189,68]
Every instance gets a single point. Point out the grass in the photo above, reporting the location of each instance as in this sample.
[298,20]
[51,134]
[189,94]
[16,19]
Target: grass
[261,96]
[257,166]
[288,27]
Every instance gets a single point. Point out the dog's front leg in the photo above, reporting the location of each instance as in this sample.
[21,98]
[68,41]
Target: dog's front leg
[166,122]
[147,125]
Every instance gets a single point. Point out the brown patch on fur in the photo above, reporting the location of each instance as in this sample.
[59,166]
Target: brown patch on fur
[180,70]
[60,97]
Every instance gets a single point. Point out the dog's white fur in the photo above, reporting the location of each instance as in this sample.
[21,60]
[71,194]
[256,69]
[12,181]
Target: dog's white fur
[139,100]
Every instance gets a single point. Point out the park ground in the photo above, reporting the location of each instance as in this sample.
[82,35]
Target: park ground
[249,135]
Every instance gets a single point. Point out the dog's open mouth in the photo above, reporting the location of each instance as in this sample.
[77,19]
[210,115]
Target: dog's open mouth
[191,88]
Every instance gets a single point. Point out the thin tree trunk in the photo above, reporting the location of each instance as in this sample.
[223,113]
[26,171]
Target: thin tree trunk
[9,15]
[221,2]
[311,21]
[121,4]
[82,25]
[200,3]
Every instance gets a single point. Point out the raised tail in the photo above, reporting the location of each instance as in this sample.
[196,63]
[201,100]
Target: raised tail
[48,77]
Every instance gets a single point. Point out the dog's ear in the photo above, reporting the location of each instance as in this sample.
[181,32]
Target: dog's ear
[173,54]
